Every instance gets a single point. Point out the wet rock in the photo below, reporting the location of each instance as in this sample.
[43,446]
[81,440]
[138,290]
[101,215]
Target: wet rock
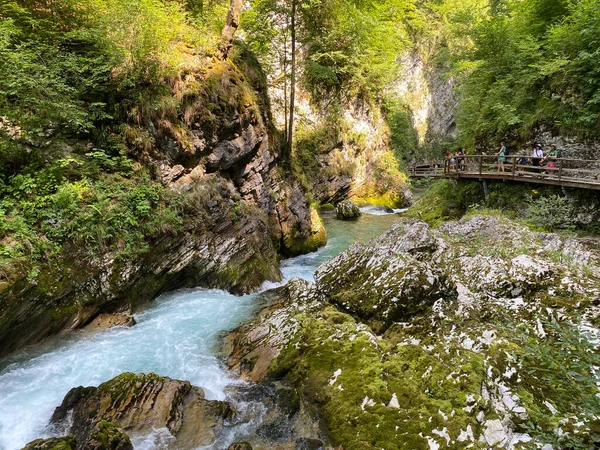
[138,404]
[277,430]
[309,444]
[240,446]
[63,443]
[251,348]
[104,321]
[347,210]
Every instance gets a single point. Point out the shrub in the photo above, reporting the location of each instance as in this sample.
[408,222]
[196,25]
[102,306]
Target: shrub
[552,213]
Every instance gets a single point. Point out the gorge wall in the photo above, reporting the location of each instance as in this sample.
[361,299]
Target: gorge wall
[239,210]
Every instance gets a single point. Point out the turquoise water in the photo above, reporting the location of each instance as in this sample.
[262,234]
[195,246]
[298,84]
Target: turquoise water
[175,336]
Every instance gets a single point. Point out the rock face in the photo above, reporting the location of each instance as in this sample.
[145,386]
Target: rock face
[240,210]
[347,210]
[440,338]
[138,404]
[346,154]
[430,96]
[104,321]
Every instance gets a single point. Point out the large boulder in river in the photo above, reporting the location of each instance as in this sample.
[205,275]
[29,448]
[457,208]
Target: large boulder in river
[384,282]
[347,210]
[138,404]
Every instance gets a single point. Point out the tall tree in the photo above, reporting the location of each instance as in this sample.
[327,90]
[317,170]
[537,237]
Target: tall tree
[290,133]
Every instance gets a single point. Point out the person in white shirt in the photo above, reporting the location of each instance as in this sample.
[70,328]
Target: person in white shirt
[537,156]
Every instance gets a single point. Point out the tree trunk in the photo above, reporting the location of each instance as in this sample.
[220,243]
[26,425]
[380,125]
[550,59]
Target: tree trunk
[285,87]
[231,25]
[290,139]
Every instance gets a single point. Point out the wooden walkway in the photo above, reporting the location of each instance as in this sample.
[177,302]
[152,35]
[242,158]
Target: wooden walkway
[577,173]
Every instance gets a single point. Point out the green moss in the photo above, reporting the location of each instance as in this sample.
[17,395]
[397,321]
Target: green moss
[295,244]
[370,367]
[62,443]
[108,436]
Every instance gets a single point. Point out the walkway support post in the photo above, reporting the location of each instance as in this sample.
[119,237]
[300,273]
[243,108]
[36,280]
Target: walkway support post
[560,168]
[480,164]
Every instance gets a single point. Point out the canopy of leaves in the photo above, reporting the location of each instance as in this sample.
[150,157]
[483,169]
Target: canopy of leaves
[528,65]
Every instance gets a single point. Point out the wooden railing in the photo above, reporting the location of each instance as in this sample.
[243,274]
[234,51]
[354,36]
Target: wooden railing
[583,173]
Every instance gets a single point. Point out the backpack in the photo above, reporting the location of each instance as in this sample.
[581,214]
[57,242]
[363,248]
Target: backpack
[506,151]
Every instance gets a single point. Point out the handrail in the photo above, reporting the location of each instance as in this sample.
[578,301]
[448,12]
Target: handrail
[548,170]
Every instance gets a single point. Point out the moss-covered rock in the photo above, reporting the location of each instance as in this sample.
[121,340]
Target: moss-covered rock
[62,443]
[138,404]
[379,284]
[493,365]
[108,436]
[347,210]
[304,240]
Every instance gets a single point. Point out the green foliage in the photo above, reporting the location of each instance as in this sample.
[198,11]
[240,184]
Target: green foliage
[445,200]
[351,45]
[62,63]
[403,137]
[525,65]
[553,213]
[559,368]
[541,208]
[76,77]
[95,201]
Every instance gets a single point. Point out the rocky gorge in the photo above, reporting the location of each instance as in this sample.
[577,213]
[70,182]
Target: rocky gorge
[422,338]
[478,334]
[239,212]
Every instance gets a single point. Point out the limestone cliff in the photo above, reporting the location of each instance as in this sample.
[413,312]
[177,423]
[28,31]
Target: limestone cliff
[240,210]
[430,94]
[342,144]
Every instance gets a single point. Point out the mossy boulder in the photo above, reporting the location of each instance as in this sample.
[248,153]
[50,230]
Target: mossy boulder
[384,281]
[347,210]
[62,443]
[108,436]
[138,404]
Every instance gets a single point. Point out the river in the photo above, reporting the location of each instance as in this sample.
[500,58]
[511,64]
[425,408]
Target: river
[175,336]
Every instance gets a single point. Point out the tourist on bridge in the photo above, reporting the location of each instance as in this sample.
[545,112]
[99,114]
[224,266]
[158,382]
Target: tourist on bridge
[460,158]
[551,158]
[522,162]
[502,153]
[537,156]
[451,160]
